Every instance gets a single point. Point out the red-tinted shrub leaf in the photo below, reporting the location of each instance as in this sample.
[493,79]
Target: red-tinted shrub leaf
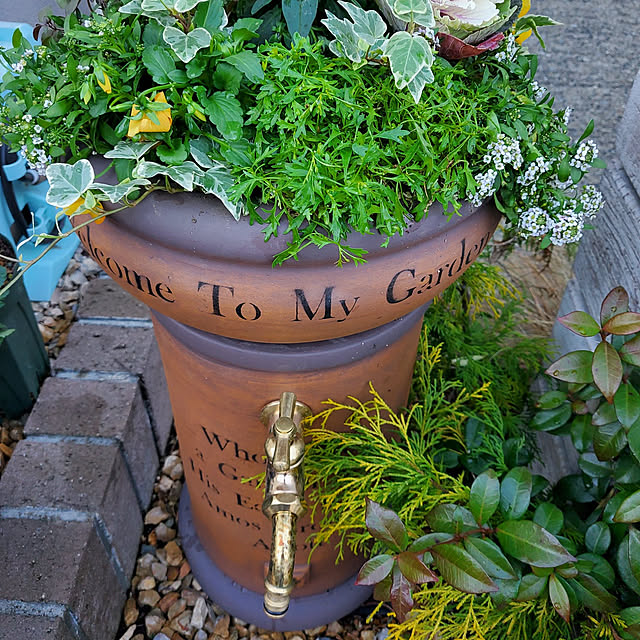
[401,599]
[623,324]
[415,570]
[573,367]
[580,322]
[607,370]
[375,570]
[630,351]
[385,525]
[615,302]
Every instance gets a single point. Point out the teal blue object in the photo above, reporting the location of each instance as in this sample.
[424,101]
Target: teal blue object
[41,279]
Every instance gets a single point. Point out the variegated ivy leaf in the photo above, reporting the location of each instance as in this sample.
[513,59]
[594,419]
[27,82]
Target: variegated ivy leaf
[346,43]
[129,150]
[185,5]
[67,182]
[186,45]
[200,149]
[418,11]
[218,182]
[367,25]
[408,55]
[416,86]
[117,192]
[184,174]
[155,9]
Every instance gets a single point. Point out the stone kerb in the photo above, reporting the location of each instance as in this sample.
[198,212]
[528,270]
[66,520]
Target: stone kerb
[73,497]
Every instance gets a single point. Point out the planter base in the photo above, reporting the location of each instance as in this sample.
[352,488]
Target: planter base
[304,613]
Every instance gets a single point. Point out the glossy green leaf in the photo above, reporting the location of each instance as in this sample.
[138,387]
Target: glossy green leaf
[630,351]
[633,438]
[627,404]
[598,538]
[484,496]
[450,518]
[615,302]
[549,517]
[506,593]
[593,467]
[424,543]
[627,471]
[551,400]
[490,557]
[515,493]
[385,525]
[458,568]
[529,542]
[375,570]
[531,587]
[581,431]
[605,414]
[623,324]
[634,552]
[631,617]
[568,570]
[580,322]
[624,568]
[593,595]
[606,370]
[629,510]
[552,419]
[414,570]
[598,568]
[559,598]
[609,440]
[573,367]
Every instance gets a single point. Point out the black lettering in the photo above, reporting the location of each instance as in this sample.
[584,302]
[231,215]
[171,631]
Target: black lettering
[463,242]
[119,274]
[138,281]
[261,543]
[216,439]
[256,312]
[391,296]
[215,296]
[247,503]
[166,287]
[453,264]
[439,276]
[243,454]
[301,299]
[347,310]
[231,474]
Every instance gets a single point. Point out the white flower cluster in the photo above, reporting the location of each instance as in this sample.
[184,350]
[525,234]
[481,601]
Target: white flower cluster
[83,67]
[567,229]
[510,51]
[539,91]
[566,116]
[486,188]
[504,151]
[585,154]
[591,200]
[534,171]
[535,221]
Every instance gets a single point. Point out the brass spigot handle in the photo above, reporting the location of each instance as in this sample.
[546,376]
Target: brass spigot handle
[279,581]
[284,493]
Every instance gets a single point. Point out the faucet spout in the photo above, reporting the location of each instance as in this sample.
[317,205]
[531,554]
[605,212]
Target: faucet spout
[284,493]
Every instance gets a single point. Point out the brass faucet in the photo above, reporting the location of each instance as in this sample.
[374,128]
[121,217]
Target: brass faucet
[284,492]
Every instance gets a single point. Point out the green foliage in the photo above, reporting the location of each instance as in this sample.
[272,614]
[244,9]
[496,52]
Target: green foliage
[513,557]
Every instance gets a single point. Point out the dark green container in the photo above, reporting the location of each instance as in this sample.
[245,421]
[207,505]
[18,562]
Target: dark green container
[23,360]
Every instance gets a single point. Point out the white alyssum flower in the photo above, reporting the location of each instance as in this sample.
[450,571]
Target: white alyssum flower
[585,154]
[37,128]
[567,229]
[47,103]
[534,171]
[509,53]
[86,23]
[27,117]
[539,91]
[486,186]
[18,66]
[504,151]
[591,200]
[28,53]
[566,116]
[535,221]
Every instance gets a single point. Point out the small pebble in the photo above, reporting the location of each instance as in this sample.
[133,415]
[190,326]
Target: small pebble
[130,612]
[164,533]
[156,516]
[221,626]
[148,598]
[174,554]
[153,623]
[148,582]
[200,615]
[176,609]
[128,634]
[367,634]
[334,628]
[159,571]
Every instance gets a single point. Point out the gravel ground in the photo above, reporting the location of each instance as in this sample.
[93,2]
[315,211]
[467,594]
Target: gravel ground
[166,602]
